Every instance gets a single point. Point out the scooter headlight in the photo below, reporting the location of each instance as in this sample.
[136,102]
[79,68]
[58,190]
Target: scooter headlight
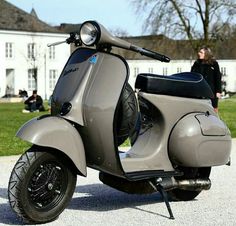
[90,33]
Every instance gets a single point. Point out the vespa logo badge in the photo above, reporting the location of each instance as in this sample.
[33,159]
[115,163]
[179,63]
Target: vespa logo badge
[66,72]
[93,59]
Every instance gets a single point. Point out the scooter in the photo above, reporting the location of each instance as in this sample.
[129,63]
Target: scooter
[175,135]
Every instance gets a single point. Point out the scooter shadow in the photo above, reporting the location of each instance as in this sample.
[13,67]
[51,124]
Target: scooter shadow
[3,193]
[100,197]
[7,216]
[94,197]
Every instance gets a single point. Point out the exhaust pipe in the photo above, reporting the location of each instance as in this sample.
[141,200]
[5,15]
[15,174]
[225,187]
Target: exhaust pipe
[193,184]
[190,184]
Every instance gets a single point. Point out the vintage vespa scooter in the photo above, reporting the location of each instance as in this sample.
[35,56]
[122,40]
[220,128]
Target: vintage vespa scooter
[175,135]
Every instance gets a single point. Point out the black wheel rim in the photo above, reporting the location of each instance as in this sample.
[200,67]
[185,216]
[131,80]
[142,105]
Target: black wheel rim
[47,185]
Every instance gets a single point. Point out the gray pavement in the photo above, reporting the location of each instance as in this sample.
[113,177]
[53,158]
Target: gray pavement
[96,204]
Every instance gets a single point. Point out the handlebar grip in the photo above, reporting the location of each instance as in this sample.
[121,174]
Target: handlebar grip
[149,53]
[155,55]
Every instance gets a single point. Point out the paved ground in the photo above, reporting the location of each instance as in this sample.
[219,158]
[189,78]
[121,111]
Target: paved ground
[96,204]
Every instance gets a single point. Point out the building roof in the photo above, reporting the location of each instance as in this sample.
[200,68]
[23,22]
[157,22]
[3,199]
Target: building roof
[177,49]
[68,28]
[13,18]
[159,43]
[33,13]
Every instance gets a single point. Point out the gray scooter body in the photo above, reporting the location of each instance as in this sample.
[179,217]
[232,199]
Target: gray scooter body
[187,135]
[89,88]
[180,136]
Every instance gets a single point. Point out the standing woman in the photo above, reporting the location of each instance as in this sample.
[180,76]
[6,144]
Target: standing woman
[209,68]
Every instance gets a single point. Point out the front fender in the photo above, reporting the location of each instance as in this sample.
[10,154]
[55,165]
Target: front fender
[57,133]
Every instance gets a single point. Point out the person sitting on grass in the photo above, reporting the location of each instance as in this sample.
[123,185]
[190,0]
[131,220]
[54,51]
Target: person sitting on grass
[34,103]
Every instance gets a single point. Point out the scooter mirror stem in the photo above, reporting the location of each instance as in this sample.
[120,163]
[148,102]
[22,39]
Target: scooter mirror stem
[56,43]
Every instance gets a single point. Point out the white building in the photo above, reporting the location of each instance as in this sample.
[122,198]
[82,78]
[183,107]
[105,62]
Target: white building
[227,67]
[24,54]
[26,61]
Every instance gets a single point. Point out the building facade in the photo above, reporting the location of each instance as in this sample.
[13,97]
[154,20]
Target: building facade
[27,63]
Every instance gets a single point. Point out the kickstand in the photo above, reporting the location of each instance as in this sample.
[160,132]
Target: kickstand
[159,187]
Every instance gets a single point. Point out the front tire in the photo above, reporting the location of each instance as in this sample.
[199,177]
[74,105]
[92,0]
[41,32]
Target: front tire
[41,185]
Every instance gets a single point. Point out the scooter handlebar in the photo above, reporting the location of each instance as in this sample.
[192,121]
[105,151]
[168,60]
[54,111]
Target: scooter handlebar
[149,53]
[155,55]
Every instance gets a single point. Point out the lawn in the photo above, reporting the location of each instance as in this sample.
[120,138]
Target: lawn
[227,112]
[11,119]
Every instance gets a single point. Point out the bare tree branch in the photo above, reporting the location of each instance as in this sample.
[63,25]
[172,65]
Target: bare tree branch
[195,20]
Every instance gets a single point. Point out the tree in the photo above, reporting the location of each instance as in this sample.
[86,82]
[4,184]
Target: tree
[199,21]
[119,32]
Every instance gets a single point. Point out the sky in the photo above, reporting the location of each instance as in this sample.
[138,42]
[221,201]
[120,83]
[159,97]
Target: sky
[112,14]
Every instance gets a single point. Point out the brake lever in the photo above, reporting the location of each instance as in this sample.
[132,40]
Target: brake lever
[74,38]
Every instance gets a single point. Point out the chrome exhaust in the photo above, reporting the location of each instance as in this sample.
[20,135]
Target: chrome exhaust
[193,184]
[187,184]
[164,184]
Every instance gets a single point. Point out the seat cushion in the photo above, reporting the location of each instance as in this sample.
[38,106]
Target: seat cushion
[187,84]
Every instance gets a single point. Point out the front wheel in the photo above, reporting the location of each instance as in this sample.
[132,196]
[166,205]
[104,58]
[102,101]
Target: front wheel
[41,185]
[189,173]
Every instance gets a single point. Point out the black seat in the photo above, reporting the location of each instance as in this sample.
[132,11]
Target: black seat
[186,84]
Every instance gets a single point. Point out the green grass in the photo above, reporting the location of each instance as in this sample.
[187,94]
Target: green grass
[227,112]
[12,118]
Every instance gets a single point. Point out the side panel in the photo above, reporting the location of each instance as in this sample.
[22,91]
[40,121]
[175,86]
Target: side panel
[200,140]
[57,133]
[150,151]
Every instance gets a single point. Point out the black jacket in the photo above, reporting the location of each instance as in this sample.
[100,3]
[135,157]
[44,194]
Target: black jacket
[38,99]
[211,72]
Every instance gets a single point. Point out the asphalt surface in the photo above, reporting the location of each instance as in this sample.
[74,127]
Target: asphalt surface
[96,204]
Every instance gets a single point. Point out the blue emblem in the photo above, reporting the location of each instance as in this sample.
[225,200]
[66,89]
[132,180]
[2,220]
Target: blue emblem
[93,59]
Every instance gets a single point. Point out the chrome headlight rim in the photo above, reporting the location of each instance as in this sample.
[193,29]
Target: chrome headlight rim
[90,33]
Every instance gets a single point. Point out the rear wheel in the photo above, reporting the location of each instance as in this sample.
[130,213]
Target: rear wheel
[128,119]
[189,173]
[40,186]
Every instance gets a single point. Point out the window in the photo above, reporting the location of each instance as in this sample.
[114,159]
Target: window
[223,71]
[179,69]
[136,71]
[32,51]
[52,52]
[165,71]
[31,79]
[10,81]
[52,79]
[9,50]
[150,70]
